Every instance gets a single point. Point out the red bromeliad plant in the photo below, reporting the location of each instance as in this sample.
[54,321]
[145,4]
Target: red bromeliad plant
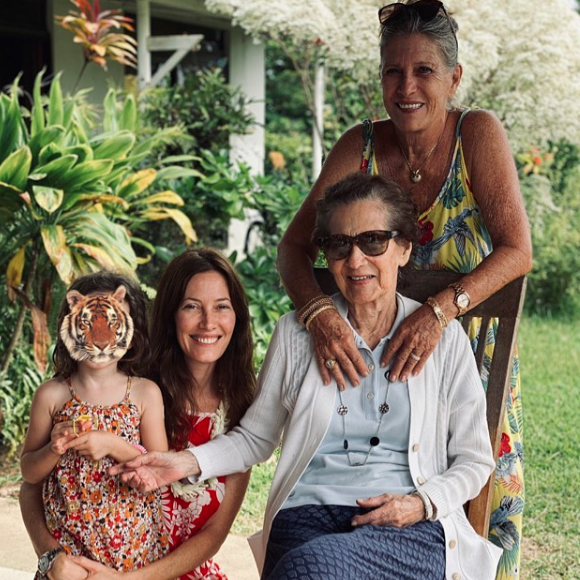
[99,34]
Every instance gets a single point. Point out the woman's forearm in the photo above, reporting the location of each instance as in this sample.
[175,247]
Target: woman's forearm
[32,510]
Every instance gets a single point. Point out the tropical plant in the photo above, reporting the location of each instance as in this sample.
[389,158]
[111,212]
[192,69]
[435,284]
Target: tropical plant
[97,33]
[72,201]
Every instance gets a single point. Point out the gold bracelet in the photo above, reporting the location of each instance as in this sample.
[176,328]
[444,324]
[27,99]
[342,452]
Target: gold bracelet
[438,312]
[309,308]
[317,312]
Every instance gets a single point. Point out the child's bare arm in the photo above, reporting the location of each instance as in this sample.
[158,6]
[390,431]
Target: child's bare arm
[43,445]
[153,436]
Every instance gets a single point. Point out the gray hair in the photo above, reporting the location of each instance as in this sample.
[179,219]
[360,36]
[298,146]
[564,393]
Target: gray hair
[400,209]
[441,30]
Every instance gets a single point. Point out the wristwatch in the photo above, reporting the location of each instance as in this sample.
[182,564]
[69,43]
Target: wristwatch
[462,299]
[46,561]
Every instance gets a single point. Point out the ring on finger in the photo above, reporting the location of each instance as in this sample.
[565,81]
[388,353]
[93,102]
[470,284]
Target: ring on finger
[329,363]
[414,356]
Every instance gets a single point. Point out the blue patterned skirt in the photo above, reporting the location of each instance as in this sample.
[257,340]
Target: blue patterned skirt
[316,542]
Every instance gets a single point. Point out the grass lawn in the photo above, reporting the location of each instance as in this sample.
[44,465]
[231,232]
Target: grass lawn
[550,364]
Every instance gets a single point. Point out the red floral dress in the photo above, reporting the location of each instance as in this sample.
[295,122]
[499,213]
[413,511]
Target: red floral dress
[93,514]
[187,508]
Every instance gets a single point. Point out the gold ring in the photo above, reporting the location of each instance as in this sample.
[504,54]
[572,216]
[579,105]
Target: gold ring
[414,356]
[329,363]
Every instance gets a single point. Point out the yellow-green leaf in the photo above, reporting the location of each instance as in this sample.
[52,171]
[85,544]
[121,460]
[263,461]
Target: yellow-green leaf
[177,216]
[99,254]
[59,253]
[115,147]
[48,198]
[14,272]
[137,183]
[15,168]
[166,196]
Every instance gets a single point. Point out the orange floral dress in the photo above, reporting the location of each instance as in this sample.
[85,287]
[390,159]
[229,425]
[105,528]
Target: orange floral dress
[187,508]
[93,514]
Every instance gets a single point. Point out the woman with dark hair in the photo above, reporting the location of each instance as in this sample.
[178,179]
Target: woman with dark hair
[371,482]
[202,351]
[457,166]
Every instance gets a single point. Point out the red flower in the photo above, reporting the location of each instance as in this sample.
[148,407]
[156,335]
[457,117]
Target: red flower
[426,232]
[504,446]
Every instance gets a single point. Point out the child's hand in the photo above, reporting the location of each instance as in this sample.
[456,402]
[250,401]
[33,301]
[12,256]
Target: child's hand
[60,435]
[93,444]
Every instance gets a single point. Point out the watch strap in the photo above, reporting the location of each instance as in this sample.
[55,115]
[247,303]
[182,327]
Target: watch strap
[459,289]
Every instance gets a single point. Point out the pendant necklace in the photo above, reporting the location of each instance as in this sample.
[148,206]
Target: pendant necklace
[416,173]
[342,410]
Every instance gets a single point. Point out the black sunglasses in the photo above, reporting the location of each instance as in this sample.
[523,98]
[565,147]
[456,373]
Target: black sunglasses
[339,246]
[427,10]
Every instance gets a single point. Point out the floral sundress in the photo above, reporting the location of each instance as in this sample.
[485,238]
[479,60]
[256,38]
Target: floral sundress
[187,508]
[454,237]
[93,514]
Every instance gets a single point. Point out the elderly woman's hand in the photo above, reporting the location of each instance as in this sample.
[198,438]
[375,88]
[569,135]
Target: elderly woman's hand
[95,570]
[333,341]
[391,510]
[412,344]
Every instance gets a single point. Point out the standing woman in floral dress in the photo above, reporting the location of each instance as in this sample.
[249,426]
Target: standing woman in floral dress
[457,166]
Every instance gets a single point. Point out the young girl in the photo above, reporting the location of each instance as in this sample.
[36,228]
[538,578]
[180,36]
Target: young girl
[97,411]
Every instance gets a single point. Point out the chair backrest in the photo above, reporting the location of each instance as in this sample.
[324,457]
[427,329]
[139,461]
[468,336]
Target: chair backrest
[505,306]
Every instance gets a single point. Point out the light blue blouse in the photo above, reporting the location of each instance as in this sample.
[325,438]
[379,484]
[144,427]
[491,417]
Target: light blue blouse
[336,476]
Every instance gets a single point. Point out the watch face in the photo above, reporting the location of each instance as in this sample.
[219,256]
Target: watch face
[43,564]
[463,300]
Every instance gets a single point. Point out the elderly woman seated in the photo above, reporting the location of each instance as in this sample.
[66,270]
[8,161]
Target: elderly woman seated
[371,481]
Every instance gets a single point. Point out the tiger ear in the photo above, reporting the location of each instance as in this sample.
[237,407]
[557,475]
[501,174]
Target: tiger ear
[73,297]
[120,294]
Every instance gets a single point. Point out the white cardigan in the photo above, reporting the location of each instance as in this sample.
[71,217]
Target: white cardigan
[450,455]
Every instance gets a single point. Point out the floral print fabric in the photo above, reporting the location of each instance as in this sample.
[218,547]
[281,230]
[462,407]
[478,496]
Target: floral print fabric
[93,514]
[454,237]
[187,508]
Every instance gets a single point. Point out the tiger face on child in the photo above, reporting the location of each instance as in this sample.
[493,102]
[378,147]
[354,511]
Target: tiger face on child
[98,328]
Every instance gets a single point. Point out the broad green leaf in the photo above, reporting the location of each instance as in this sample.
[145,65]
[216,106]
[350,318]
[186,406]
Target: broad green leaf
[115,147]
[54,240]
[45,145]
[177,216]
[48,198]
[37,116]
[128,117]
[110,111]
[57,169]
[69,111]
[167,196]
[83,173]
[178,159]
[83,152]
[89,199]
[137,183]
[100,254]
[11,132]
[14,271]
[55,103]
[15,168]
[177,172]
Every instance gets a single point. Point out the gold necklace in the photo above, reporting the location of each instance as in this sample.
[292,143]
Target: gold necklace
[415,173]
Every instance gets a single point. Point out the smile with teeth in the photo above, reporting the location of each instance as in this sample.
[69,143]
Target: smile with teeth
[410,106]
[206,339]
[360,278]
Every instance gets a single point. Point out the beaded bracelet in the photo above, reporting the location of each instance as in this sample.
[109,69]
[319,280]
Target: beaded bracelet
[313,305]
[438,312]
[317,312]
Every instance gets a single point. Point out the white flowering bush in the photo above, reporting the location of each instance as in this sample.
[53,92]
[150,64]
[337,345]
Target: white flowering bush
[520,57]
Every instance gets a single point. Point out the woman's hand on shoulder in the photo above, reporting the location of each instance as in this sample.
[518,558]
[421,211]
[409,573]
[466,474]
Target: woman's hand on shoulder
[391,509]
[333,341]
[412,344]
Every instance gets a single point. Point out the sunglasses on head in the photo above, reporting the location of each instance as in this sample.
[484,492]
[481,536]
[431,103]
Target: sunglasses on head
[427,10]
[339,246]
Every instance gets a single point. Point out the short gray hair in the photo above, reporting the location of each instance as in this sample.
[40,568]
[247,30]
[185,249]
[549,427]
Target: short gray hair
[441,30]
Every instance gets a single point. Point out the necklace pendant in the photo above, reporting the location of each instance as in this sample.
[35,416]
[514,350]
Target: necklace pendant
[342,410]
[415,176]
[383,408]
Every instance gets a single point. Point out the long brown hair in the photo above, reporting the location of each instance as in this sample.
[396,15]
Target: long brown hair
[235,371]
[136,359]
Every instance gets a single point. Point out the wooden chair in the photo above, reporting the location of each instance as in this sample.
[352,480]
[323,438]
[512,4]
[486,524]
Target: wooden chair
[505,305]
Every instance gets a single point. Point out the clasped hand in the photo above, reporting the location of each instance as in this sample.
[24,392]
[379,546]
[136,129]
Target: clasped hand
[407,351]
[390,509]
